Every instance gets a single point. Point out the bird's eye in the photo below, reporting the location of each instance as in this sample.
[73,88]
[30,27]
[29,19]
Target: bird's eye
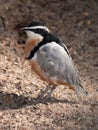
[37,29]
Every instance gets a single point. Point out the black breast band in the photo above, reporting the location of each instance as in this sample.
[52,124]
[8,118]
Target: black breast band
[47,39]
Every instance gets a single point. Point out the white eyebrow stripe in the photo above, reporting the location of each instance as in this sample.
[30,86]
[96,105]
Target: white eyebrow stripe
[39,27]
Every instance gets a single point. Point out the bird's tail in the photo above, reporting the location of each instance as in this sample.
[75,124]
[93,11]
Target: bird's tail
[82,89]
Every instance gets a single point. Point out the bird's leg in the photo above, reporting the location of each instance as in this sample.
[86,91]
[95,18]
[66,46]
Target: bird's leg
[41,95]
[50,92]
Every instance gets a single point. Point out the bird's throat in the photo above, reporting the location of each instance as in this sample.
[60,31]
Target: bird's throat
[30,44]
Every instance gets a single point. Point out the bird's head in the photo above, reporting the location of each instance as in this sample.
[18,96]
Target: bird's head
[36,30]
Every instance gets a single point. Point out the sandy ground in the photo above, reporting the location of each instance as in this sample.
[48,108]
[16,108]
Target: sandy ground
[76,23]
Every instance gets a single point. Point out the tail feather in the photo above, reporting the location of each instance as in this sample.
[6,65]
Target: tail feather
[82,90]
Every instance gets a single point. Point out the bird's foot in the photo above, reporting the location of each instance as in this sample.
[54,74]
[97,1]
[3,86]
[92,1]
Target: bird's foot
[45,94]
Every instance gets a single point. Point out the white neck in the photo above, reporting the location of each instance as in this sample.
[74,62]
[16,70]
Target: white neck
[32,36]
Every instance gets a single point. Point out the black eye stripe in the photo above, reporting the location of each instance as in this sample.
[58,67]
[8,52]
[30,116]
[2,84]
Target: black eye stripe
[39,31]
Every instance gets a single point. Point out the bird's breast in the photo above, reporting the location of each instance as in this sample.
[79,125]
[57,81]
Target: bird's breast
[29,46]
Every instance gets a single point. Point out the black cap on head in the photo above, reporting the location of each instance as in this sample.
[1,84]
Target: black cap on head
[37,27]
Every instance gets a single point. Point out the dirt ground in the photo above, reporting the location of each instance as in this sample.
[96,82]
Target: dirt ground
[76,23]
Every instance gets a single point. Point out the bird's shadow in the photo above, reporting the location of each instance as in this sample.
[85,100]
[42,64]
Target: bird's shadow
[13,101]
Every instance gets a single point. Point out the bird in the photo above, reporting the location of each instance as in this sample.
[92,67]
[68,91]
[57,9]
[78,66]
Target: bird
[50,59]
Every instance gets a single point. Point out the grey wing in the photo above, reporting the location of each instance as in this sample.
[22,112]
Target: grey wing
[55,62]
[50,61]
